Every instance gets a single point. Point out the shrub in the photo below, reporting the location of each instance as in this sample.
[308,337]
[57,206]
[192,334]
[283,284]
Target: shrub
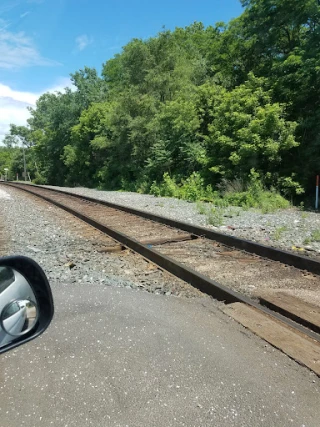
[155,189]
[256,196]
[39,179]
[192,188]
[202,208]
[167,188]
[215,216]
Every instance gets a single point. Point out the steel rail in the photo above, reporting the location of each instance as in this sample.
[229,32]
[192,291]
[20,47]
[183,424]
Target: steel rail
[199,281]
[285,257]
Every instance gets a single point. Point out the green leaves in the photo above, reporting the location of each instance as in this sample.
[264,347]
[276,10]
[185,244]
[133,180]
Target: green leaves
[191,105]
[247,130]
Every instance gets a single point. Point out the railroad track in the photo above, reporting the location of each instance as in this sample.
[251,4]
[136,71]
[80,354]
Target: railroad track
[201,257]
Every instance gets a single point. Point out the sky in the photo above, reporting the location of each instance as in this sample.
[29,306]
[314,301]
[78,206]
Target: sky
[43,41]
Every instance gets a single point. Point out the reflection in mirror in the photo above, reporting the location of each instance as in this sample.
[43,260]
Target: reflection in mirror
[18,306]
[19,317]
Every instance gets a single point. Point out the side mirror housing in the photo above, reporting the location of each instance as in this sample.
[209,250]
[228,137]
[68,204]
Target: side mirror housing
[26,304]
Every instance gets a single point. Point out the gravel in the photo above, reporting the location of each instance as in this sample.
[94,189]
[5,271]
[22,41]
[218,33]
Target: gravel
[69,250]
[114,355]
[290,229]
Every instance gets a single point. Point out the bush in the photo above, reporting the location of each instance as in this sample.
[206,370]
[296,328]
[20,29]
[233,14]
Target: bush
[167,188]
[267,201]
[256,196]
[215,216]
[155,189]
[39,179]
[191,188]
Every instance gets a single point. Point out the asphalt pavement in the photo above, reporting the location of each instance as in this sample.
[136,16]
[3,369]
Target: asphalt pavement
[123,357]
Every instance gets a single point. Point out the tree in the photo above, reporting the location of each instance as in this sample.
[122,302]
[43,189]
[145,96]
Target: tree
[247,131]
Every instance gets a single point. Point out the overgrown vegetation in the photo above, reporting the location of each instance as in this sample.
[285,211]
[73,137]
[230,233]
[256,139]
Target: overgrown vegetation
[191,113]
[252,195]
[279,232]
[314,237]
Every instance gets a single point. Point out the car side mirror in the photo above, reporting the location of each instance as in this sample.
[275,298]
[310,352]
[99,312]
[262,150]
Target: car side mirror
[26,304]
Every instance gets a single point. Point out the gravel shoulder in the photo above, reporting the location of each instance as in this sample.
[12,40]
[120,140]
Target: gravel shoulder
[290,229]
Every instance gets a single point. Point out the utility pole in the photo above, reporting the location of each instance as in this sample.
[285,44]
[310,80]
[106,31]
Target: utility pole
[24,164]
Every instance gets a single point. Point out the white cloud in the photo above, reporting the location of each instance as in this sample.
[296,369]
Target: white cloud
[17,51]
[83,41]
[13,104]
[24,14]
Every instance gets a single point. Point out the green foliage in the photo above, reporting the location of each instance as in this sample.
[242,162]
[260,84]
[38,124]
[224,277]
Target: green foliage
[315,236]
[201,207]
[278,232]
[307,241]
[215,216]
[257,197]
[191,188]
[167,188]
[6,155]
[246,131]
[184,112]
[39,179]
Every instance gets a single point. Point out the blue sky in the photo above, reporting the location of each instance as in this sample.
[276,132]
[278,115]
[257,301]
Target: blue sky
[43,41]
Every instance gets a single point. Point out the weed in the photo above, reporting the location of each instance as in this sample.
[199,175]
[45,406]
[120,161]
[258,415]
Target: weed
[315,236]
[201,207]
[278,232]
[215,216]
[167,188]
[231,212]
[155,189]
[192,188]
[304,215]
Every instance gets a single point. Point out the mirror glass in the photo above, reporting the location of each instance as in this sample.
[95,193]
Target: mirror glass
[18,305]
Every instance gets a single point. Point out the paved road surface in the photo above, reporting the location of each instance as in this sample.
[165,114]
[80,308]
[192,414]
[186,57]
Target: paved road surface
[119,357]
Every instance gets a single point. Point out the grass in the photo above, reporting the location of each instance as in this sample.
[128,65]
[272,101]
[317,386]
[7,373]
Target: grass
[314,237]
[202,208]
[215,216]
[278,232]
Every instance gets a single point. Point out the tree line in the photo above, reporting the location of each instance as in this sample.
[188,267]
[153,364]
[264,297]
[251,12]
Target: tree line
[214,104]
